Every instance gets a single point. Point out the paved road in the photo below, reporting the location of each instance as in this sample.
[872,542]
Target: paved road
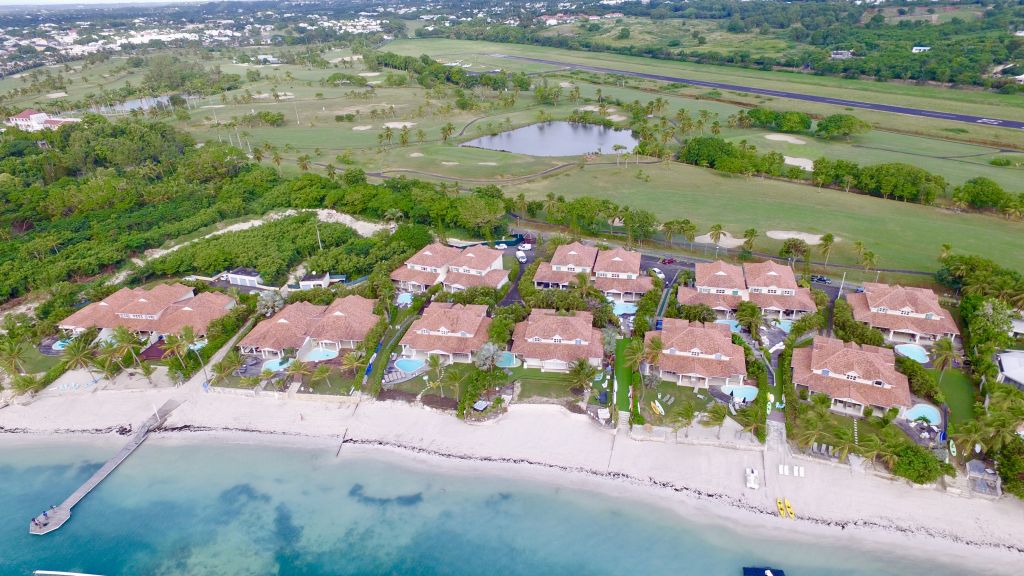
[779,93]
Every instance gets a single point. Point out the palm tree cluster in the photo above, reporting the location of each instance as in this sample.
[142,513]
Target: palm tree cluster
[996,424]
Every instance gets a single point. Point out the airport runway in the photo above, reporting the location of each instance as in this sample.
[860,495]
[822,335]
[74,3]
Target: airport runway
[780,94]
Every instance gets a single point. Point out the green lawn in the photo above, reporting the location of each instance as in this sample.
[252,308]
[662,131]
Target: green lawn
[623,375]
[959,392]
[34,362]
[541,384]
[682,394]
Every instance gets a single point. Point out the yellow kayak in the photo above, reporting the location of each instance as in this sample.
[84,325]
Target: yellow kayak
[782,507]
[656,407]
[789,508]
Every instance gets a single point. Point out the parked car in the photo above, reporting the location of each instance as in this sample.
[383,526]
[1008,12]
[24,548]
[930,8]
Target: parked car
[526,247]
[859,290]
[657,272]
[521,256]
[820,279]
[501,246]
[667,261]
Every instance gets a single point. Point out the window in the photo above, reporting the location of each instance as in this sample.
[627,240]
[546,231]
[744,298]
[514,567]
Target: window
[718,356]
[719,291]
[879,383]
[570,268]
[787,292]
[694,352]
[904,312]
[755,290]
[773,291]
[556,340]
[929,316]
[613,275]
[735,292]
[535,339]
[443,331]
[851,376]
[883,309]
[579,342]
[826,372]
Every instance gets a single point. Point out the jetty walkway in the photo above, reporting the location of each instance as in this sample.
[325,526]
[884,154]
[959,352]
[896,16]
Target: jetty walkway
[55,517]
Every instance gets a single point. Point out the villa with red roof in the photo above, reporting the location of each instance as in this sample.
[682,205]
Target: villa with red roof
[152,313]
[697,355]
[853,376]
[903,314]
[617,274]
[718,285]
[552,341]
[568,261]
[476,266]
[305,327]
[772,286]
[31,120]
[453,331]
[425,268]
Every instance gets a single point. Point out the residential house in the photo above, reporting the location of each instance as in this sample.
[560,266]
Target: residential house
[476,266]
[854,377]
[773,287]
[453,331]
[568,261]
[903,314]
[267,59]
[425,268]
[841,54]
[1017,326]
[552,341]
[717,285]
[244,277]
[31,120]
[315,279]
[697,355]
[617,274]
[1011,367]
[920,49]
[152,313]
[309,329]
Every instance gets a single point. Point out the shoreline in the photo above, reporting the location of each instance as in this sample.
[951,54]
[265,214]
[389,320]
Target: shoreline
[547,444]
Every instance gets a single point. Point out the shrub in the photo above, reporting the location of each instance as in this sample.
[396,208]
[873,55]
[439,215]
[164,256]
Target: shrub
[919,465]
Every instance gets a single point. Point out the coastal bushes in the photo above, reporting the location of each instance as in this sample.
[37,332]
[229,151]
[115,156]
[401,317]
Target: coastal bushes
[849,330]
[922,383]
[754,418]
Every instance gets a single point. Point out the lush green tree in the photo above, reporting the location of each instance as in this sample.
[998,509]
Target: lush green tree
[844,125]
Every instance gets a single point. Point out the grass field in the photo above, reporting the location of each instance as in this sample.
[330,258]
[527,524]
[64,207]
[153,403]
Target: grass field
[537,384]
[959,392]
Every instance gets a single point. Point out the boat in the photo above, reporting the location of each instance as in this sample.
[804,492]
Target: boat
[656,406]
[53,573]
[789,508]
[762,571]
[781,506]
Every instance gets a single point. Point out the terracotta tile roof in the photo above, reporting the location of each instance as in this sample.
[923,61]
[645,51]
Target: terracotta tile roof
[421,277]
[492,279]
[801,300]
[769,273]
[546,324]
[25,114]
[348,318]
[470,319]
[938,326]
[435,255]
[719,274]
[575,254]
[691,297]
[618,260]
[546,274]
[286,329]
[476,258]
[639,285]
[841,358]
[710,339]
[172,305]
[919,300]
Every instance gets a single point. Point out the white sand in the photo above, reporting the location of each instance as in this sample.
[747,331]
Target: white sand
[686,475]
[805,163]
[399,124]
[54,95]
[784,138]
[727,240]
[565,84]
[361,128]
[812,239]
[346,59]
[374,83]
[487,163]
[449,163]
[280,96]
[616,117]
[213,106]
[590,108]
[369,74]
[416,155]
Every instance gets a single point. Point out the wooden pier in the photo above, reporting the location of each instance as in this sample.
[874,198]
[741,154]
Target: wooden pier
[55,517]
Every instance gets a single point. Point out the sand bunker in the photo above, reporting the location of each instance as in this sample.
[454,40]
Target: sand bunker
[487,163]
[213,106]
[784,138]
[590,108]
[280,96]
[374,83]
[805,163]
[416,155]
[565,84]
[398,124]
[812,239]
[52,95]
[450,163]
[346,59]
[369,74]
[616,117]
[361,128]
[726,240]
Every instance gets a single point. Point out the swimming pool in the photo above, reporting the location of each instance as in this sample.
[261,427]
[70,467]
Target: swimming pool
[927,411]
[741,392]
[507,360]
[277,364]
[319,355]
[196,346]
[622,308]
[914,352]
[409,365]
[785,325]
[733,325]
[61,344]
[404,299]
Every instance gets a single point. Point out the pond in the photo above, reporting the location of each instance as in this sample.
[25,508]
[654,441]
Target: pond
[557,139]
[143,104]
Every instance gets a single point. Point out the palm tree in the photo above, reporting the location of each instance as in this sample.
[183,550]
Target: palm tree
[634,355]
[826,242]
[683,418]
[652,350]
[277,159]
[716,233]
[582,373]
[303,162]
[321,374]
[12,353]
[868,260]
[970,434]
[403,136]
[943,355]
[446,131]
[859,248]
[257,155]
[127,343]
[748,238]
[79,354]
[749,418]
[231,362]
[393,215]
[331,170]
[812,429]
[435,365]
[715,416]
[946,250]
[842,439]
[351,362]
[582,285]
[454,378]
[749,316]
[688,230]
[298,370]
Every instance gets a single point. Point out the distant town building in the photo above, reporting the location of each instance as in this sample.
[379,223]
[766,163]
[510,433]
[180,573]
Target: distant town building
[841,54]
[267,59]
[920,49]
[31,120]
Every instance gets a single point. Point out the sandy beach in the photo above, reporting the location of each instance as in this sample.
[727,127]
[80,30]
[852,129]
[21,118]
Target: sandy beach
[550,444]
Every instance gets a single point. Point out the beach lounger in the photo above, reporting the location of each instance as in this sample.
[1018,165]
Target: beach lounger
[814,448]
[787,470]
[780,470]
[802,471]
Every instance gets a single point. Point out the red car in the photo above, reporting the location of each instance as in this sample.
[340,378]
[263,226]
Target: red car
[667,261]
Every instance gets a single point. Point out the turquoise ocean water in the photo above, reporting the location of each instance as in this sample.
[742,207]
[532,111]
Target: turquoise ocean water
[201,509]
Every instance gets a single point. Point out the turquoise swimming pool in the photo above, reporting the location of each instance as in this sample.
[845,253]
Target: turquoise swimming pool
[198,345]
[622,308]
[404,299]
[319,355]
[914,352]
[785,325]
[733,325]
[277,364]
[507,360]
[741,392]
[61,344]
[409,365]
[926,411]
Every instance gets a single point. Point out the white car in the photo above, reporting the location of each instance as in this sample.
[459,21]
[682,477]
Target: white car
[657,272]
[526,247]
[501,246]
[521,256]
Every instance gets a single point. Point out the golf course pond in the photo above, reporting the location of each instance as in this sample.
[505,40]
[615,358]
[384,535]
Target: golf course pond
[558,139]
